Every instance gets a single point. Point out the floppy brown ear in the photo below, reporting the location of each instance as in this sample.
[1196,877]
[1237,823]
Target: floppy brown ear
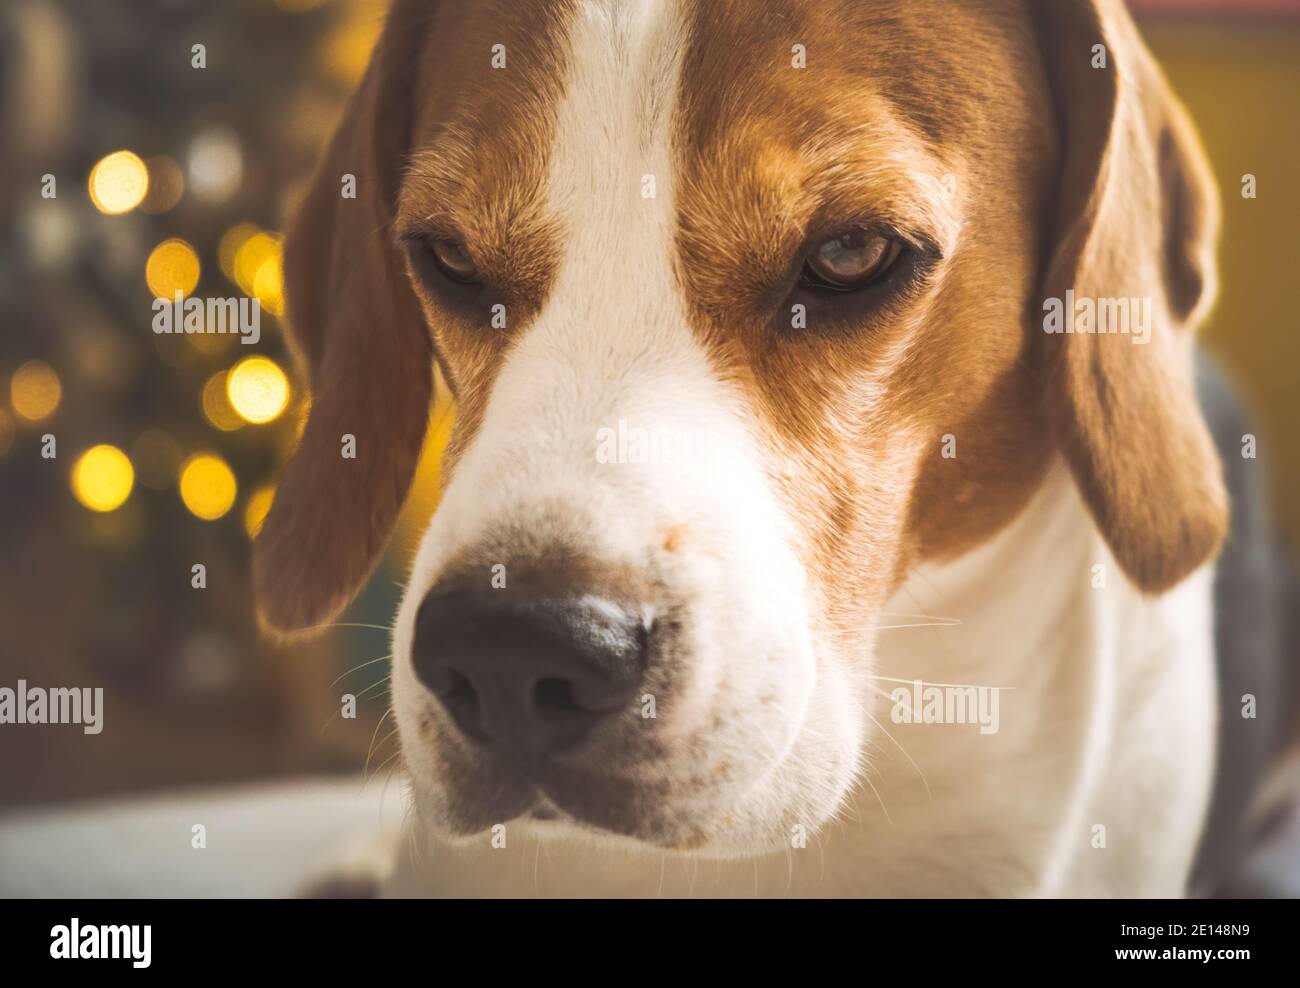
[1136,218]
[357,329]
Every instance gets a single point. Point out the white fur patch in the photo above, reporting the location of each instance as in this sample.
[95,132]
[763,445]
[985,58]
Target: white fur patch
[611,354]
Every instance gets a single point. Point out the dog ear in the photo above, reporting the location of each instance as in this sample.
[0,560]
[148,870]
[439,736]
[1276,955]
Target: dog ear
[1136,219]
[358,332]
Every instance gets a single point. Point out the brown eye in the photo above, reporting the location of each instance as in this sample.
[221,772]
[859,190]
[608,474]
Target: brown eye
[850,260]
[453,259]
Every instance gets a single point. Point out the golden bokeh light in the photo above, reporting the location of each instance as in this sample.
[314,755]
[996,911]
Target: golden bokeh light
[208,486]
[347,49]
[102,478]
[216,405]
[173,267]
[230,243]
[118,183]
[249,258]
[426,486]
[257,389]
[268,285]
[259,503]
[35,391]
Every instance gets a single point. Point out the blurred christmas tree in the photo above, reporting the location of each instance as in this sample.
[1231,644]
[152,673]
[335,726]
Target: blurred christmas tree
[150,147]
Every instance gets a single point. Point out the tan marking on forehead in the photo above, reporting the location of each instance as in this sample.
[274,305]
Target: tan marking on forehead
[536,167]
[484,133]
[924,116]
[482,142]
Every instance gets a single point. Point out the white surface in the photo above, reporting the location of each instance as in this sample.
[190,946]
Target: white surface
[264,840]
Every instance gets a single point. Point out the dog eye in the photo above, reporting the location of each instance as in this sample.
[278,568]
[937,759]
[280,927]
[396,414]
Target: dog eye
[850,260]
[453,259]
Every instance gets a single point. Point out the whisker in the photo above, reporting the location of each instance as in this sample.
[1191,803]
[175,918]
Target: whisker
[904,751]
[383,682]
[926,682]
[361,666]
[414,845]
[921,624]
[330,719]
[370,749]
[389,778]
[919,614]
[866,777]
[347,624]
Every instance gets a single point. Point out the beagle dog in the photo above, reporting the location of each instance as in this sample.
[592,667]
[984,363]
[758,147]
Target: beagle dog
[829,510]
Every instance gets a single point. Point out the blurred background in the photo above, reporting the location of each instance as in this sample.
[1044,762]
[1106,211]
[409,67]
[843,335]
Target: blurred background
[172,177]
[167,177]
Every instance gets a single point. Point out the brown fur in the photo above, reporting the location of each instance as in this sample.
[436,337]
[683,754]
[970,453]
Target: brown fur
[1138,217]
[1064,177]
[355,309]
[855,416]
[477,174]
[360,334]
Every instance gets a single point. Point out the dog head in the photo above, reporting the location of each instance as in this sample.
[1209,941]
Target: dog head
[742,306]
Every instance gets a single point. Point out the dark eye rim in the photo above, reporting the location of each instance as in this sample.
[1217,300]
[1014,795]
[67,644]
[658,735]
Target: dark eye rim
[469,277]
[810,279]
[422,249]
[832,312]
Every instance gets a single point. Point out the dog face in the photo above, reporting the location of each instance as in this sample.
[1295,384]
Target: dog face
[741,309]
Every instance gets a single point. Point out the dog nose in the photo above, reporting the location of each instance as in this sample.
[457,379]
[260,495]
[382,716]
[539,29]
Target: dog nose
[528,674]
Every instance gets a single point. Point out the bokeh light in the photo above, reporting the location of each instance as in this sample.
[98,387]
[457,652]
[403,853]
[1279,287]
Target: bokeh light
[268,285]
[118,183]
[348,48]
[216,164]
[216,405]
[231,241]
[102,478]
[35,391]
[207,486]
[259,503]
[255,251]
[258,389]
[173,267]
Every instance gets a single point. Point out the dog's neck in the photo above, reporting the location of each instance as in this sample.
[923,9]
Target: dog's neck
[1083,665]
[1040,613]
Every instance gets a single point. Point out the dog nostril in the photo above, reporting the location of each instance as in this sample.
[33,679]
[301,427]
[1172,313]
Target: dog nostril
[528,675]
[458,689]
[556,695]
[458,695]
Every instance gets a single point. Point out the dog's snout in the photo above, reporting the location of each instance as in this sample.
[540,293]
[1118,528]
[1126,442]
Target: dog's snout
[528,675]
